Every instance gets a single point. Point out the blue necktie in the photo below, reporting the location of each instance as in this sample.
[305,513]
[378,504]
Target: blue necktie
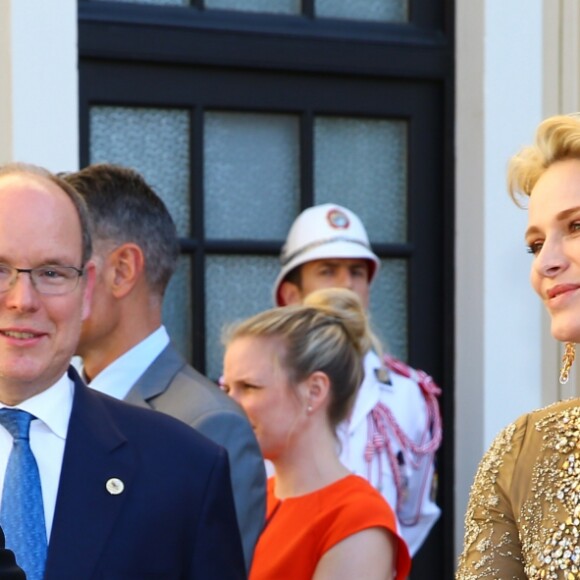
[22,512]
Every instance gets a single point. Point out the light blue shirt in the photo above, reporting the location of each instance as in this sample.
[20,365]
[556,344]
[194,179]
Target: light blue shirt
[117,379]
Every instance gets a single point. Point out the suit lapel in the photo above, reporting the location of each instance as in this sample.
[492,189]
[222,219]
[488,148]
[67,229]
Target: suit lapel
[157,378]
[95,451]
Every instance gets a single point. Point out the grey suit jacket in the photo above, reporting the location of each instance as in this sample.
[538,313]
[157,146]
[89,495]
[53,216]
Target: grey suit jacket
[173,387]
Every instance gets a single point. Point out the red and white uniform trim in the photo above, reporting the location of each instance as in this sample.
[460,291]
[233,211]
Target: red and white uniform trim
[391,439]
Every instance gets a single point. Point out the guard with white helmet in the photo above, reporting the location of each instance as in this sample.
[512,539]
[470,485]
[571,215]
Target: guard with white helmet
[394,429]
[325,231]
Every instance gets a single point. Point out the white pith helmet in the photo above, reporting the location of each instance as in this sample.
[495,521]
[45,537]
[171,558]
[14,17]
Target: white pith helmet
[324,231]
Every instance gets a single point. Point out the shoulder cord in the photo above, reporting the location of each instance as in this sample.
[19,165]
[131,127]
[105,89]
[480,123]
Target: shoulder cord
[382,423]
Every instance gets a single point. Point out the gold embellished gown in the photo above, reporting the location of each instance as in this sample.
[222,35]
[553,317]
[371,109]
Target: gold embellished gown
[523,515]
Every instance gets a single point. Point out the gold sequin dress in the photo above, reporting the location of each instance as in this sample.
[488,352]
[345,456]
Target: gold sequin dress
[523,516]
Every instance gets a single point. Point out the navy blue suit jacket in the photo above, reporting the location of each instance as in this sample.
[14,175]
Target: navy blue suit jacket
[174,518]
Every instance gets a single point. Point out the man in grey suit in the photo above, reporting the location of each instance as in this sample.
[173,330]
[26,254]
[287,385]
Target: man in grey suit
[125,349]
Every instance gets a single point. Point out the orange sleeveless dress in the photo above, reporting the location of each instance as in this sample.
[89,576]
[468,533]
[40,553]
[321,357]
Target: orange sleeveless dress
[299,530]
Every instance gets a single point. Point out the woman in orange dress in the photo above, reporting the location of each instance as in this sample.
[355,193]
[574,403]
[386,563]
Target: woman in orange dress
[295,371]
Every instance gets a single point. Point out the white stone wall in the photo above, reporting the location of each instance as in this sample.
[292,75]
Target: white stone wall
[510,59]
[39,83]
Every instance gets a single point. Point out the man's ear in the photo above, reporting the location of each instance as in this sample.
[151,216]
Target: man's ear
[127,265]
[290,293]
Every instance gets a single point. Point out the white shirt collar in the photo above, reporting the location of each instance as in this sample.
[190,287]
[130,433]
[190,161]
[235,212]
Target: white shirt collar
[117,379]
[52,406]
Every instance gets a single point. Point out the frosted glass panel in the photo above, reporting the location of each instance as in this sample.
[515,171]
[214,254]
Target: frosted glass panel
[270,6]
[236,287]
[377,10]
[362,164]
[154,142]
[161,2]
[251,169]
[388,309]
[177,307]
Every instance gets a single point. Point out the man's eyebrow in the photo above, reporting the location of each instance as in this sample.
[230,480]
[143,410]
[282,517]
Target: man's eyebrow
[46,262]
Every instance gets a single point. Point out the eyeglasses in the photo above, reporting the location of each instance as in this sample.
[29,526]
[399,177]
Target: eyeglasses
[49,279]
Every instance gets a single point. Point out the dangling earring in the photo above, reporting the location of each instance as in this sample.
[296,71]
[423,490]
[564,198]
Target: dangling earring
[567,361]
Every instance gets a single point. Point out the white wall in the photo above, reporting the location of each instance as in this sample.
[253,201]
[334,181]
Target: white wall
[498,319]
[39,83]
[513,108]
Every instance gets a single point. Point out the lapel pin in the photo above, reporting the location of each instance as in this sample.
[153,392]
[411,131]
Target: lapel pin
[382,375]
[115,486]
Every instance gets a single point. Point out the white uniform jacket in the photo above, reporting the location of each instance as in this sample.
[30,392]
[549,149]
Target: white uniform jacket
[391,439]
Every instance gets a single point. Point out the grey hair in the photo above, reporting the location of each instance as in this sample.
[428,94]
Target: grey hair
[123,208]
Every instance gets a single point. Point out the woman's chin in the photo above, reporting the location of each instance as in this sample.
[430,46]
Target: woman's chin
[566,333]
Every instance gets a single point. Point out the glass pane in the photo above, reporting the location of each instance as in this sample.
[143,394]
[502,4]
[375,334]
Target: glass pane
[236,287]
[377,10]
[161,2]
[388,309]
[362,164]
[154,142]
[177,307]
[251,173]
[269,6]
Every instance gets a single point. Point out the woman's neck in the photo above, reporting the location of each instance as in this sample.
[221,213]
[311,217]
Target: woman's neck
[311,464]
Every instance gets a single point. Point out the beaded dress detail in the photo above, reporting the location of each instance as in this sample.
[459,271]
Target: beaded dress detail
[523,516]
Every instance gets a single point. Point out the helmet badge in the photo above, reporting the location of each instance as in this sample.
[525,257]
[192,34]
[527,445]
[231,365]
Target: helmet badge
[337,219]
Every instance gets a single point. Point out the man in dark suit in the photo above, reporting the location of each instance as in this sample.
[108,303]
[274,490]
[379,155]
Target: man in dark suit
[125,349]
[9,570]
[125,492]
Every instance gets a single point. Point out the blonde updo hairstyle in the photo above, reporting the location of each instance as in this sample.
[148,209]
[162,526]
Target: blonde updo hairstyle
[557,139]
[328,333]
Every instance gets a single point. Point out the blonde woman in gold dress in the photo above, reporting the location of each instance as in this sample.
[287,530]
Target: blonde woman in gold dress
[523,516]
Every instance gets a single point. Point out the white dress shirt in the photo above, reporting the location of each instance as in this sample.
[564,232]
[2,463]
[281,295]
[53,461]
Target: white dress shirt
[117,379]
[52,408]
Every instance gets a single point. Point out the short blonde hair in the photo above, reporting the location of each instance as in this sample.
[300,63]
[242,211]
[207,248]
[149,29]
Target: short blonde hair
[328,333]
[557,139]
